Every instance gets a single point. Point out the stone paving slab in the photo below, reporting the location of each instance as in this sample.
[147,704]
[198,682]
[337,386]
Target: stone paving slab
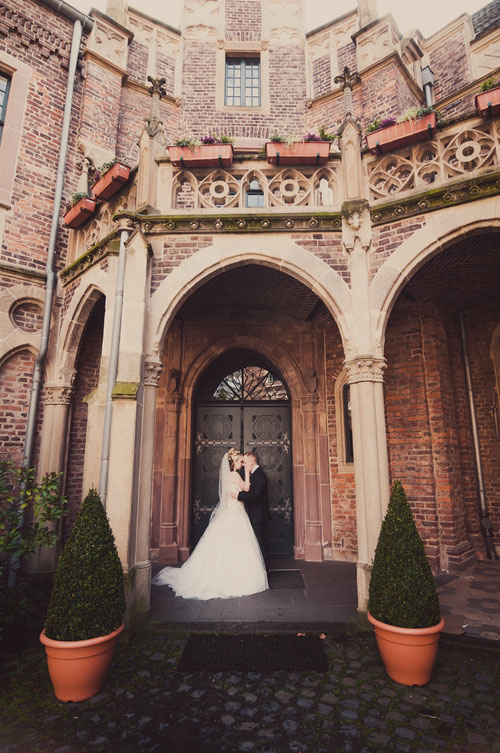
[470,603]
[147,706]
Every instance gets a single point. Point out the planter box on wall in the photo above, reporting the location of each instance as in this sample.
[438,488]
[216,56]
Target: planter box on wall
[488,103]
[207,155]
[111,181]
[299,153]
[80,212]
[409,132]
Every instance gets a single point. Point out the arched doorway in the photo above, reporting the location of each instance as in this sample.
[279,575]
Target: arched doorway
[242,401]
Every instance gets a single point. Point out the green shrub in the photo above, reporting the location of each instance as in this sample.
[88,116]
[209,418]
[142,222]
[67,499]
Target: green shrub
[402,589]
[88,598]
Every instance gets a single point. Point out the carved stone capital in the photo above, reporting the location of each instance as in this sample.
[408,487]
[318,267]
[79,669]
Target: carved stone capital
[365,369]
[56,394]
[356,225]
[152,372]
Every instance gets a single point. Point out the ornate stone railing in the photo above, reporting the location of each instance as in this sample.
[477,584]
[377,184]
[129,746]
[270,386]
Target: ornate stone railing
[465,150]
[283,188]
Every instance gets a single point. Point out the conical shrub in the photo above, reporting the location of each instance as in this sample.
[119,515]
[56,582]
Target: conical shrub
[88,598]
[402,589]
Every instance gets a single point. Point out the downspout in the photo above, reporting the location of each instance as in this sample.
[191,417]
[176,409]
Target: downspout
[50,274]
[113,367]
[486,527]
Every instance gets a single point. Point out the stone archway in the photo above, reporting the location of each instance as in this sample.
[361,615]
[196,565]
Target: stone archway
[292,338]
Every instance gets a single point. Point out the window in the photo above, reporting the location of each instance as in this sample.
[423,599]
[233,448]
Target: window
[243,82]
[348,445]
[4,93]
[254,195]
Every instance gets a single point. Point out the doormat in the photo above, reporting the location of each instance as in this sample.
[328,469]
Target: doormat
[253,653]
[286,579]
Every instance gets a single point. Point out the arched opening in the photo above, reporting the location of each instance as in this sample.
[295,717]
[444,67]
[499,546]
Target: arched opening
[242,401]
[428,421]
[252,336]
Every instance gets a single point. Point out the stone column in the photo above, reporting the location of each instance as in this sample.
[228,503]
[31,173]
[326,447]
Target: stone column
[371,467]
[169,540]
[53,447]
[313,544]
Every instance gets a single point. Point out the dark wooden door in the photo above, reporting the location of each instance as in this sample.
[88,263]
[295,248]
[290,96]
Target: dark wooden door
[265,427]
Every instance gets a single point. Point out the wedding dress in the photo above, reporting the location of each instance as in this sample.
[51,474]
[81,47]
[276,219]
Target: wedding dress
[227,561]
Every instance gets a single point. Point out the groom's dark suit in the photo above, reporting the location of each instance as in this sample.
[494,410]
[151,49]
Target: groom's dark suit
[256,505]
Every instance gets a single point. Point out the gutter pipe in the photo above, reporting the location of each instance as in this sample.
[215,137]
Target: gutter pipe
[77,18]
[113,367]
[66,10]
[485,522]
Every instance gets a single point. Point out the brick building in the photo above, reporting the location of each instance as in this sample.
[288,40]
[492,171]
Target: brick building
[327,313]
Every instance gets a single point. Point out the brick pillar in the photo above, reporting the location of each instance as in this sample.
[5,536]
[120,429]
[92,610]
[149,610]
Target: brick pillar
[371,469]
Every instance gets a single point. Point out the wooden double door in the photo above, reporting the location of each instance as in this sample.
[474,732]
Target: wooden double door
[265,427]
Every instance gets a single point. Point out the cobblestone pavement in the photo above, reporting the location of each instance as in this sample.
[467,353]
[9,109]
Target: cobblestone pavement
[470,603]
[148,706]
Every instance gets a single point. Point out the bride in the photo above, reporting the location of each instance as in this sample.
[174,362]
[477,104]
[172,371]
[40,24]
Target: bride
[227,561]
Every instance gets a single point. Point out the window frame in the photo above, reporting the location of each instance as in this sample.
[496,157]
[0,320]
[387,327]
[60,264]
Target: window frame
[3,107]
[227,49]
[243,63]
[344,461]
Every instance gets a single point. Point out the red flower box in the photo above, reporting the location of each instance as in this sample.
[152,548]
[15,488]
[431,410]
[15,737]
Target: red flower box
[80,212]
[111,181]
[206,155]
[298,153]
[488,103]
[409,132]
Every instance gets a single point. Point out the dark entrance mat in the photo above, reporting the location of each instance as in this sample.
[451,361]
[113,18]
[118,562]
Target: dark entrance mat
[286,579]
[253,653]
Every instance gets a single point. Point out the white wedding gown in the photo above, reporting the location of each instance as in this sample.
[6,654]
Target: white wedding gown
[227,561]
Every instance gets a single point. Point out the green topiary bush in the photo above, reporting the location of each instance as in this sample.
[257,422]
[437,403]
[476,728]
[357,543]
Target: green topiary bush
[402,589]
[88,598]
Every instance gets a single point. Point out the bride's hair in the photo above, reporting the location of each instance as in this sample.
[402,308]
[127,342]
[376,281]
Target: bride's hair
[232,454]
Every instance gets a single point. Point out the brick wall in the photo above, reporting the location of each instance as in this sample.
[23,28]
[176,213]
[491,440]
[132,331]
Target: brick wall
[28,223]
[321,72]
[15,382]
[28,316]
[387,238]
[87,376]
[346,56]
[328,248]
[134,108]
[450,63]
[243,20]
[137,65]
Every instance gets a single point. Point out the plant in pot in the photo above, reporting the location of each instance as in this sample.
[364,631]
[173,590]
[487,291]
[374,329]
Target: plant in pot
[209,151]
[87,605]
[413,125]
[488,98]
[311,149]
[403,602]
[109,178]
[78,209]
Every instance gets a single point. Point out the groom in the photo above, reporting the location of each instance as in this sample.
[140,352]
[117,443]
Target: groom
[255,500]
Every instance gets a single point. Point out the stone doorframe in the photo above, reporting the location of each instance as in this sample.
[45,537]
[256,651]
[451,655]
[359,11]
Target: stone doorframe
[311,478]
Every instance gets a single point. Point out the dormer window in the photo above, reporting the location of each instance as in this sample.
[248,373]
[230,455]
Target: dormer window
[254,194]
[243,82]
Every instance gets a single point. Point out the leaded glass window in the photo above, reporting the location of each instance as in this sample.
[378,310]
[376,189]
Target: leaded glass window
[250,383]
[254,194]
[243,82]
[4,93]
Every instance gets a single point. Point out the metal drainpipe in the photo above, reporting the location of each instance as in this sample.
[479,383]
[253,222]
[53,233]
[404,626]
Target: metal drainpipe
[113,368]
[51,280]
[486,528]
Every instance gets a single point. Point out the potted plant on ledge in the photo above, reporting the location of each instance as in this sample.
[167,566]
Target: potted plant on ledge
[78,209]
[488,98]
[293,150]
[209,151]
[403,601]
[109,178]
[415,124]
[87,605]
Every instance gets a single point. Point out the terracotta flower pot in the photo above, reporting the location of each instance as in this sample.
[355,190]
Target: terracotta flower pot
[298,153]
[80,212]
[111,181]
[206,155]
[400,134]
[78,668]
[408,653]
[488,103]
